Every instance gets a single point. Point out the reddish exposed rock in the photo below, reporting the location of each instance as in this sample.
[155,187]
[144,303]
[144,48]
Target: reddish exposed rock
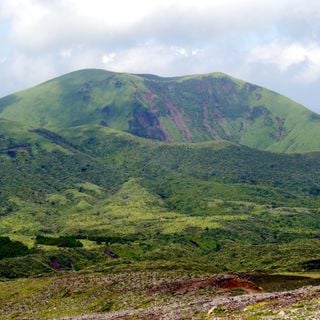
[220,282]
[149,97]
[177,118]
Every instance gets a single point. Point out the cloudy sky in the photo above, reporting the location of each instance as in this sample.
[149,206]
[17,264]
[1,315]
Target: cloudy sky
[274,43]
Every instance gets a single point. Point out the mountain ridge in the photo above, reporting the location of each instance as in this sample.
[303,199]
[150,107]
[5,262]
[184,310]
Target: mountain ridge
[190,108]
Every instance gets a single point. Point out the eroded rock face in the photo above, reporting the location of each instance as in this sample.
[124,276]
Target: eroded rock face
[146,124]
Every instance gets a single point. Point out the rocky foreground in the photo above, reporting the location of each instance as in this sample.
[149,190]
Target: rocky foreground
[150,295]
[302,303]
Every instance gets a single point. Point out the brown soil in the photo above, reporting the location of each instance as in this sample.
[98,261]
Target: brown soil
[177,118]
[220,282]
[206,122]
[149,97]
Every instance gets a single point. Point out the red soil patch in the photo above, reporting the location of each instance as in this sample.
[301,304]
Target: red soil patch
[177,118]
[149,97]
[206,122]
[227,282]
[229,87]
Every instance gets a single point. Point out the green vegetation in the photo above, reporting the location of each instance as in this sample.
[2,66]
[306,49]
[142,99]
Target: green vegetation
[190,109]
[80,195]
[9,249]
[132,201]
[61,241]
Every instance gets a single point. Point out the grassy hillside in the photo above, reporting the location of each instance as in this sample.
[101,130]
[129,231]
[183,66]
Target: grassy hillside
[184,109]
[93,208]
[148,201]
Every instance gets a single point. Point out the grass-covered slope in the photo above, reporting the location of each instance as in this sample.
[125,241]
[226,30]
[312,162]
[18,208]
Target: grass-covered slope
[93,211]
[214,204]
[183,109]
[84,193]
[159,163]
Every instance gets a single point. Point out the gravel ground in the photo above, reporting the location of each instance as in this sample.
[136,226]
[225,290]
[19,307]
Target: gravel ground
[301,303]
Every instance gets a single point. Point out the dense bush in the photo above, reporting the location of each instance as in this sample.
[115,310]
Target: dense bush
[62,241]
[10,248]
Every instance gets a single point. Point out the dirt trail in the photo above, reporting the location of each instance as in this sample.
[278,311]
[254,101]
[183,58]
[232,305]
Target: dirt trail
[175,311]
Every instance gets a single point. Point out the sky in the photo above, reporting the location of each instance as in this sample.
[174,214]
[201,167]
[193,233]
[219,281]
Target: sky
[274,43]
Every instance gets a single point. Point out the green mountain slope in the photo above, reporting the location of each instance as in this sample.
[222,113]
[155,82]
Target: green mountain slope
[95,181]
[131,206]
[82,189]
[38,162]
[183,109]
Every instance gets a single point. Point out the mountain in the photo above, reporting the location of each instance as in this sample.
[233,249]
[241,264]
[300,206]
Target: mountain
[123,192]
[181,109]
[125,210]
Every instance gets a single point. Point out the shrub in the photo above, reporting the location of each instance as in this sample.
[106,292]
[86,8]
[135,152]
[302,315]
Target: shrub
[62,241]
[9,249]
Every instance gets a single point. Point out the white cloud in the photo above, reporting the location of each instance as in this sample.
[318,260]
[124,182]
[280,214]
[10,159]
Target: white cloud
[194,52]
[277,38]
[20,71]
[142,59]
[179,51]
[66,53]
[285,56]
[45,25]
[107,58]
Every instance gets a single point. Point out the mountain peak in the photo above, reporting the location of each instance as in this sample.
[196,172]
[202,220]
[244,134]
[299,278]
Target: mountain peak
[191,108]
